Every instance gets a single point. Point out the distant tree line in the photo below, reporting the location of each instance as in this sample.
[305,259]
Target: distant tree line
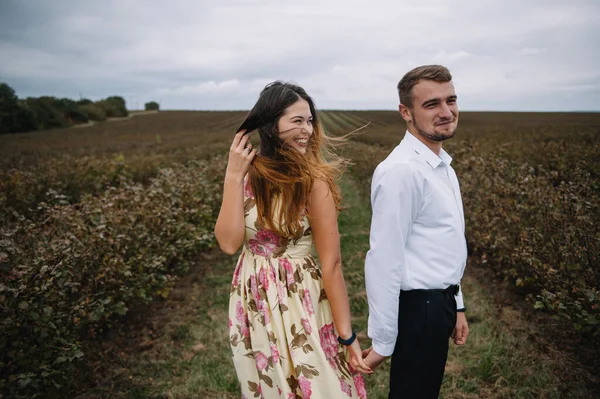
[39,113]
[151,106]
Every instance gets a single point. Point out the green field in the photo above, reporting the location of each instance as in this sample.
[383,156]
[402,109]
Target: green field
[110,285]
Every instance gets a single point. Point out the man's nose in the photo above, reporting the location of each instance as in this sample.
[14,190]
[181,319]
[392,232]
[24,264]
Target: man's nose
[445,111]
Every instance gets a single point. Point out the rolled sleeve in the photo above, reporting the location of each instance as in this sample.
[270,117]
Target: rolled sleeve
[394,200]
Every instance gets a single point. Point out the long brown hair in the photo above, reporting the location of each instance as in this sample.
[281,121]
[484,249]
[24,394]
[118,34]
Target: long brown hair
[281,177]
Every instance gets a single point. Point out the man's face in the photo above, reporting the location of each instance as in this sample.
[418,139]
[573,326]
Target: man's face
[434,113]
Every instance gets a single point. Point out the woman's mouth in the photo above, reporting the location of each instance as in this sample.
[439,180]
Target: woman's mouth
[301,142]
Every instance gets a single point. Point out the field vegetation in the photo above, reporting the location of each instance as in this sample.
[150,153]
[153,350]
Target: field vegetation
[110,285]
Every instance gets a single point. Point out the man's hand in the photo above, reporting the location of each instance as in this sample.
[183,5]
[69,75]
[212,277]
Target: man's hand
[461,331]
[372,358]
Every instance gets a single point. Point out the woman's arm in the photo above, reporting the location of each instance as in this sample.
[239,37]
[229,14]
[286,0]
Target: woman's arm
[323,223]
[229,229]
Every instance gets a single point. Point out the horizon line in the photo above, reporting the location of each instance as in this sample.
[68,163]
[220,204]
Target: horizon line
[378,109]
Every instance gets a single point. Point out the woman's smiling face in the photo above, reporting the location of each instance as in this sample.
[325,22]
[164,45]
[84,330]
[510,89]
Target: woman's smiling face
[295,126]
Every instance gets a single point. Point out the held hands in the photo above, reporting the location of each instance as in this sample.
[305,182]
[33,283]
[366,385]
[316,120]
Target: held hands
[372,358]
[241,155]
[356,358]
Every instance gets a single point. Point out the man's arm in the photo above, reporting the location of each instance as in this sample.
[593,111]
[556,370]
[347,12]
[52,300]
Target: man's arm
[395,200]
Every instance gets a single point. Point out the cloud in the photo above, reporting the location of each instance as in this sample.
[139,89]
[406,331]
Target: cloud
[531,51]
[348,54]
[444,57]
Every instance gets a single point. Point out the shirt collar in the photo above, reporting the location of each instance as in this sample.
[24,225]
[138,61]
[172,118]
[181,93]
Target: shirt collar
[430,157]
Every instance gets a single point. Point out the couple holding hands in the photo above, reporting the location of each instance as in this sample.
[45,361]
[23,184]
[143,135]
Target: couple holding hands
[289,315]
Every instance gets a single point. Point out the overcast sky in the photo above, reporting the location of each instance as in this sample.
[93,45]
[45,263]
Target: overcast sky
[538,55]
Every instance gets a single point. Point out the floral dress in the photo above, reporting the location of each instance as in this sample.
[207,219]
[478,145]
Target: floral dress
[280,323]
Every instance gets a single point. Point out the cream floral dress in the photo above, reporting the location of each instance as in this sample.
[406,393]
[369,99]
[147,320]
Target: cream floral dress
[280,324]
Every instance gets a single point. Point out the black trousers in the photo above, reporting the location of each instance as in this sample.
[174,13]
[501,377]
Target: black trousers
[425,323]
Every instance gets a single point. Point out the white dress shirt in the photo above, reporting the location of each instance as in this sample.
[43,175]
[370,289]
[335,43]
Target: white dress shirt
[417,234]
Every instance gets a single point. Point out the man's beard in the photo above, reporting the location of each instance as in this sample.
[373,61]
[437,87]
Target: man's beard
[433,136]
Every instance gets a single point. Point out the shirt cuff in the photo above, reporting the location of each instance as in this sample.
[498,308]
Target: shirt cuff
[460,302]
[384,349]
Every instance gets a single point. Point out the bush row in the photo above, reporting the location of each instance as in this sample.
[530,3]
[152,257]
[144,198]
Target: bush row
[77,267]
[537,226]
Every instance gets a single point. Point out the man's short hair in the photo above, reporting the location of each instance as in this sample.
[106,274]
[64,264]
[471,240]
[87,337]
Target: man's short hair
[437,73]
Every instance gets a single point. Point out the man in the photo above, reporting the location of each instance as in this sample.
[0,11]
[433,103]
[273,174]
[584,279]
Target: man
[418,249]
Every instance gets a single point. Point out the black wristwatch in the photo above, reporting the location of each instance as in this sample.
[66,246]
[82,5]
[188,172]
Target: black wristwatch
[348,341]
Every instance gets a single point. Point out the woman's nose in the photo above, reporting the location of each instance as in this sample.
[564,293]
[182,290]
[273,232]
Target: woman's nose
[307,128]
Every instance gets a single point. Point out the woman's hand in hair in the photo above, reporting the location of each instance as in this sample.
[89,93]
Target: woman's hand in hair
[241,155]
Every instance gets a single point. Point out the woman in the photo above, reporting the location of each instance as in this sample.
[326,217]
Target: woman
[289,319]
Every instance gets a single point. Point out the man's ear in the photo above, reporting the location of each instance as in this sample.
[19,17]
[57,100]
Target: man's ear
[405,112]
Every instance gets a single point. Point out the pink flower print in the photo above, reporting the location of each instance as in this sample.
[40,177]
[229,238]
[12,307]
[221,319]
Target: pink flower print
[307,301]
[289,270]
[248,189]
[275,354]
[263,309]
[267,237]
[281,294]
[346,388]
[236,273]
[264,243]
[272,273]
[352,369]
[240,315]
[242,319]
[229,323]
[359,383]
[245,330]
[254,289]
[329,343]
[263,279]
[261,361]
[279,391]
[304,386]
[291,395]
[307,326]
[259,248]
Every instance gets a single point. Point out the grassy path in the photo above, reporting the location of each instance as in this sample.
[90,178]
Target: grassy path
[180,348]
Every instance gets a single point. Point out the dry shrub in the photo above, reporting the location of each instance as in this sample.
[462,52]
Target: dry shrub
[68,272]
